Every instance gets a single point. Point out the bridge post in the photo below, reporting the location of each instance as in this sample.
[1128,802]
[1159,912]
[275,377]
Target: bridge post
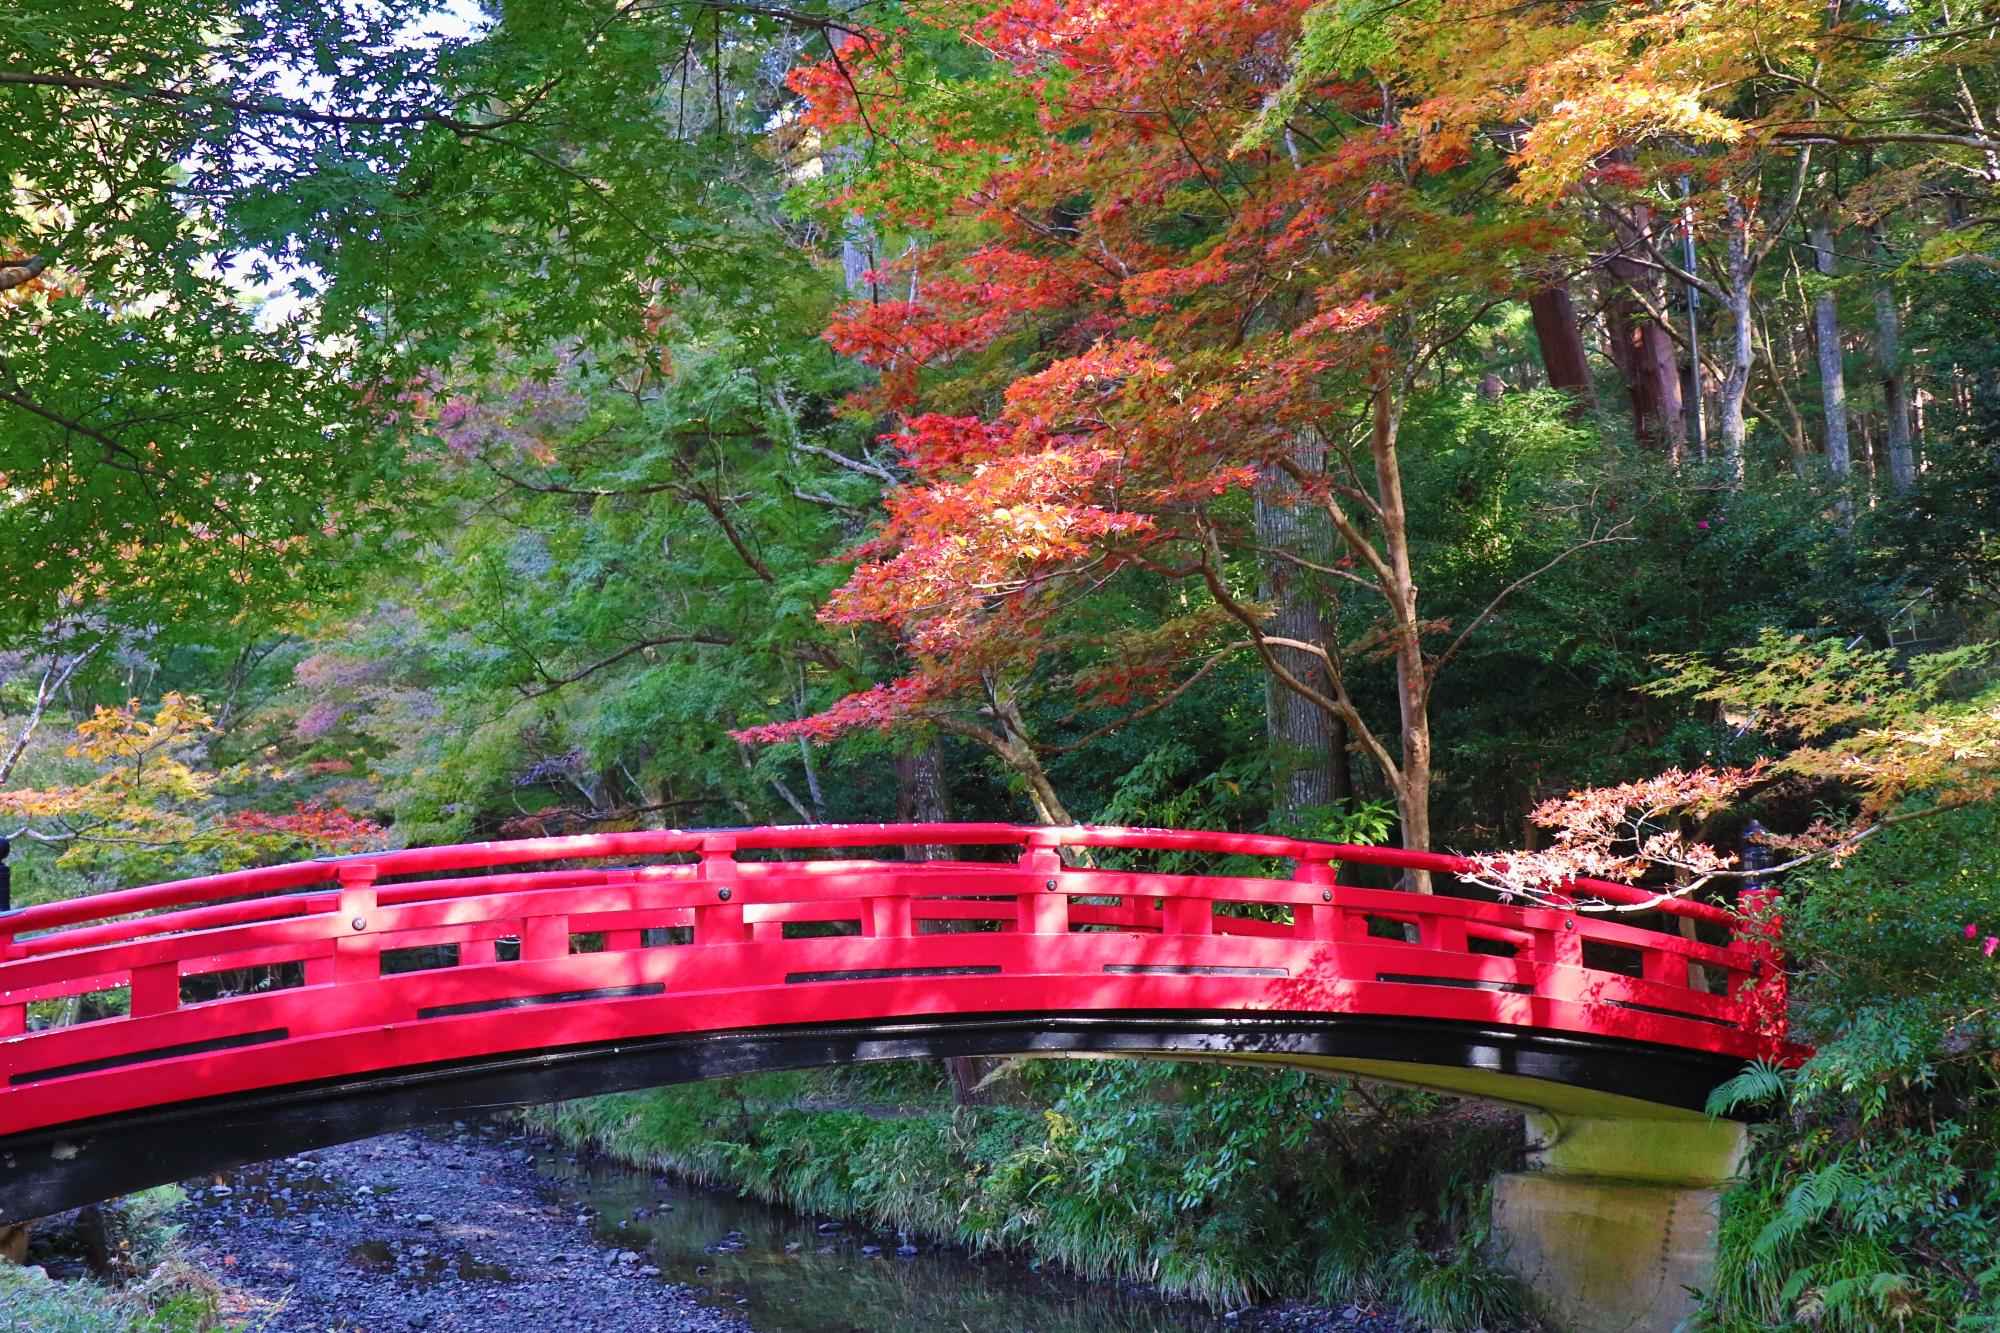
[1043,911]
[13,1017]
[1617,1226]
[888,917]
[720,922]
[1320,920]
[544,937]
[357,955]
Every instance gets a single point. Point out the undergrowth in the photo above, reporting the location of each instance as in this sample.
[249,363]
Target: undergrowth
[1872,1197]
[140,1283]
[172,1299]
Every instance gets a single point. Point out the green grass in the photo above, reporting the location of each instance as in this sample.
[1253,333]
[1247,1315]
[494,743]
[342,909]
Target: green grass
[173,1299]
[154,1290]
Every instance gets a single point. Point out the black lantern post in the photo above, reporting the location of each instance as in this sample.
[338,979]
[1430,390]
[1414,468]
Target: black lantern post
[1756,857]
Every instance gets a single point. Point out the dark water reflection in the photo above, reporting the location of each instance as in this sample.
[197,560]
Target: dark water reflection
[791,1277]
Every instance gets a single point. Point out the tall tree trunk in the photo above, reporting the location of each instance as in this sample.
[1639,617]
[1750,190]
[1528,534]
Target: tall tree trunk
[1308,745]
[1895,383]
[857,255]
[1740,265]
[1641,347]
[1832,373]
[1561,343]
[1413,677]
[857,243]
[922,795]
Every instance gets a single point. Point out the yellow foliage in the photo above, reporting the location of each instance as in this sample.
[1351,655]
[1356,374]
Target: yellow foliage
[145,790]
[1563,86]
[119,733]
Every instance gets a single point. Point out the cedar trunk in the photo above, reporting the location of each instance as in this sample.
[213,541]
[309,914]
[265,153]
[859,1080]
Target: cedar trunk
[1561,343]
[1832,373]
[1308,745]
[1641,347]
[922,797]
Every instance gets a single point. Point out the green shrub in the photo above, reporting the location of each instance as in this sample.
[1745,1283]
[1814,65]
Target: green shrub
[1873,1198]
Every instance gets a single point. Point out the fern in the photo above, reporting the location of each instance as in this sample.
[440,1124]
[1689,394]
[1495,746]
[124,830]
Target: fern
[1760,1085]
[1809,1201]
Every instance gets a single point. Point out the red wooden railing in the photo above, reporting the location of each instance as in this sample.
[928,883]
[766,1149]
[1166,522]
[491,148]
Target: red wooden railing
[568,954]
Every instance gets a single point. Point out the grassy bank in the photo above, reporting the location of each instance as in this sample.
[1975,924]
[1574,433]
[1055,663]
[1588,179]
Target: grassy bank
[171,1300]
[1223,1185]
[119,1271]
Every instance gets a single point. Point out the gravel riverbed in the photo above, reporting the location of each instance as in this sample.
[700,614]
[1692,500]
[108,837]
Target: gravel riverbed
[423,1232]
[458,1230]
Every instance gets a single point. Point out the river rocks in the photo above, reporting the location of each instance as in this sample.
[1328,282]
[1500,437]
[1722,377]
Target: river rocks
[1293,1317]
[468,1246]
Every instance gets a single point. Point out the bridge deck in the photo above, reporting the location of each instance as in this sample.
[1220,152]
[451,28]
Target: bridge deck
[528,983]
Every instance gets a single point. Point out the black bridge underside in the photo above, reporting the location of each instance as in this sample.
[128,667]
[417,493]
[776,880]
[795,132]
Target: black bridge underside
[47,1171]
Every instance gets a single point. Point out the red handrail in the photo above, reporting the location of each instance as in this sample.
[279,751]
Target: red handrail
[788,837]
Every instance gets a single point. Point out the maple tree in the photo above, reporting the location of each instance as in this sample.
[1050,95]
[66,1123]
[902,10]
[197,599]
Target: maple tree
[145,796]
[1873,740]
[1221,333]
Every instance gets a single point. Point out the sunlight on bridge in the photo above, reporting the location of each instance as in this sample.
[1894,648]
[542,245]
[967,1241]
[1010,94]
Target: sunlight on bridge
[272,1009]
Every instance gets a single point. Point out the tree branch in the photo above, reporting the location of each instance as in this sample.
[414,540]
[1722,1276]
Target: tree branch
[1438,664]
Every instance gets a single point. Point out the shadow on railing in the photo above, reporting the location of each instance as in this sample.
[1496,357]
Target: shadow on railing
[396,958]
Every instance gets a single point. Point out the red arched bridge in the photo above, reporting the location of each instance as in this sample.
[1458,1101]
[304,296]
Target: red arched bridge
[272,1010]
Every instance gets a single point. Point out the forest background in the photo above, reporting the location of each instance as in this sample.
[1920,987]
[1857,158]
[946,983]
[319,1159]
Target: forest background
[1567,427]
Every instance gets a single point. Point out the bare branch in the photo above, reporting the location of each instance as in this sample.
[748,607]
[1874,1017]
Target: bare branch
[866,469]
[1615,535]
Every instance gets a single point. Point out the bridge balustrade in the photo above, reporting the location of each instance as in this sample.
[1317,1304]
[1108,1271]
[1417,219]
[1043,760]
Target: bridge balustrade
[436,954]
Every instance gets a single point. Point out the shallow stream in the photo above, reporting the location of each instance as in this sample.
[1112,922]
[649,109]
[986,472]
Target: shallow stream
[791,1274]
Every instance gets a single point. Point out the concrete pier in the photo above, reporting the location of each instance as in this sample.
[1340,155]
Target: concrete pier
[1614,1227]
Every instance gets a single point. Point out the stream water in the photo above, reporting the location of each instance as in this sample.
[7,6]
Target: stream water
[474,1228]
[790,1274]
